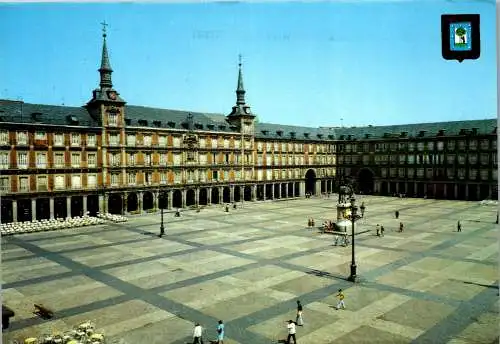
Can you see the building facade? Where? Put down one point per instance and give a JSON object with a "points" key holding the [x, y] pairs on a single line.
{"points": [[107, 156]]}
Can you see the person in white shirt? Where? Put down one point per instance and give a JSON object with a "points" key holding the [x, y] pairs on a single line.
{"points": [[291, 331], [197, 334]]}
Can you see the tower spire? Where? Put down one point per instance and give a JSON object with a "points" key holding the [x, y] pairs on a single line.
{"points": [[240, 90], [105, 70]]}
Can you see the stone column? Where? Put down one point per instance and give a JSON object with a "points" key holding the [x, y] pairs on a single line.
{"points": [[272, 192], [286, 190], [478, 192], [279, 191], [389, 188], [103, 202], [293, 189], [140, 200], [68, 206], [242, 194], [221, 195], [125, 203], [318, 187], [170, 199], [156, 197], [406, 188], [231, 194], [445, 192], [33, 209], [434, 189], [466, 192], [84, 205], [302, 188], [490, 193], [197, 196], [455, 190], [14, 211], [51, 207], [397, 187], [184, 193], [265, 193], [209, 195], [254, 192]]}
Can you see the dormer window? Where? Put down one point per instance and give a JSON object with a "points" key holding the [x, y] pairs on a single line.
{"points": [[462, 132], [279, 132], [367, 136], [349, 137], [171, 124], [185, 125], [306, 135], [387, 135], [342, 137], [233, 127], [404, 134], [143, 122], [292, 134], [222, 127], [198, 126], [210, 126], [128, 121], [36, 116], [421, 133], [320, 136], [495, 130], [474, 131], [157, 124], [441, 132], [265, 132], [331, 137], [72, 119]]}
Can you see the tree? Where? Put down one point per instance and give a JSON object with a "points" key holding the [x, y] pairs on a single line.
{"points": [[460, 32]]}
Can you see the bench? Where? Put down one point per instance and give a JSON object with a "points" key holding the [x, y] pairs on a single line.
{"points": [[43, 311]]}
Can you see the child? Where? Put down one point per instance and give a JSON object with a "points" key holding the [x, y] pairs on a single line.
{"points": [[291, 331], [341, 303]]}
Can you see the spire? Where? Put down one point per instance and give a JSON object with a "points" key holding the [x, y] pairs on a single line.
{"points": [[240, 90], [105, 69]]}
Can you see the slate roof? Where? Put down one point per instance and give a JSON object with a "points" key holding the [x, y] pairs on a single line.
{"points": [[20, 112]]}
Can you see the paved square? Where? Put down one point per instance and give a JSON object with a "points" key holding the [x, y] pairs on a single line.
{"points": [[429, 284]]}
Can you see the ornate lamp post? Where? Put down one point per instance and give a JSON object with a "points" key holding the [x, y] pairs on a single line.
{"points": [[353, 217], [162, 206]]}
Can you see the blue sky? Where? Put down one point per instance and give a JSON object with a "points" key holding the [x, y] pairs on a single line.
{"points": [[309, 64]]}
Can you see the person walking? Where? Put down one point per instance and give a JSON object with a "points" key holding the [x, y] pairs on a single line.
{"points": [[396, 213], [197, 332], [340, 296], [401, 227], [291, 331], [382, 229], [299, 320], [459, 226], [220, 332]]}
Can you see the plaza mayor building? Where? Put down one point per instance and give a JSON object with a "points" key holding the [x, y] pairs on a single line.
{"points": [[107, 156]]}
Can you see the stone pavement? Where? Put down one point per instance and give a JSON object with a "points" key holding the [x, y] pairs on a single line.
{"points": [[248, 267]]}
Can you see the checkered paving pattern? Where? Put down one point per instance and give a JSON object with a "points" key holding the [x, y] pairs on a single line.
{"points": [[429, 284]]}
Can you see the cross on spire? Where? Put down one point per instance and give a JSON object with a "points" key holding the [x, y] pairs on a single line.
{"points": [[239, 59], [104, 24]]}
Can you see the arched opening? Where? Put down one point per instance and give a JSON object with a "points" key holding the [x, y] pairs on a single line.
{"points": [[190, 198], [461, 192], [261, 190], [226, 195], [215, 195], [420, 190], [115, 203], [410, 191], [7, 215], [283, 190], [203, 196], [430, 191], [310, 182], [323, 186], [237, 193], [329, 186], [484, 192], [60, 208], [42, 209], [402, 187], [439, 191], [24, 210], [366, 181], [247, 193], [383, 189], [269, 191], [473, 192], [76, 206], [290, 189], [177, 199], [392, 187], [132, 202], [92, 205], [297, 189], [276, 191], [163, 200], [147, 200]]}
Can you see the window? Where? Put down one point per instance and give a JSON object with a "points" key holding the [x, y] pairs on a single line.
{"points": [[177, 177], [58, 139], [4, 160], [440, 145], [147, 159], [420, 172], [148, 178], [147, 140], [420, 146], [384, 172], [115, 179], [411, 173], [114, 139], [215, 175], [450, 159], [203, 159], [473, 144], [163, 178], [91, 181], [4, 184], [131, 177], [401, 172], [60, 182], [461, 159], [22, 138], [461, 144], [226, 143], [461, 173], [162, 141], [429, 173], [177, 159], [450, 173], [112, 119], [91, 140], [75, 140], [114, 159], [485, 158], [40, 135], [484, 174], [4, 137], [473, 174], [202, 176], [450, 145], [411, 159], [24, 184], [22, 159], [237, 144], [430, 145], [59, 160], [190, 176], [41, 183], [411, 146], [259, 146], [131, 140], [177, 141], [41, 160], [131, 159], [393, 172], [226, 175], [91, 159], [473, 159], [494, 174], [75, 159], [163, 159], [485, 144], [76, 182]]}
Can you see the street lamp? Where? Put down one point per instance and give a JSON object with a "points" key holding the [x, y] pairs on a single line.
{"points": [[162, 206], [353, 217]]}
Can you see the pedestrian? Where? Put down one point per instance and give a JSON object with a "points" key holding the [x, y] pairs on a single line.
{"points": [[291, 331], [378, 229], [299, 320], [396, 213], [336, 241], [382, 229], [197, 339], [459, 226], [220, 332], [312, 222], [340, 296], [401, 227]]}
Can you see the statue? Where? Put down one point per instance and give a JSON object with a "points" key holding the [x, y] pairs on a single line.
{"points": [[345, 194]]}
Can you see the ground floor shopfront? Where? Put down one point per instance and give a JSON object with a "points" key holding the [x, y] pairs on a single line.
{"points": [[137, 200]]}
